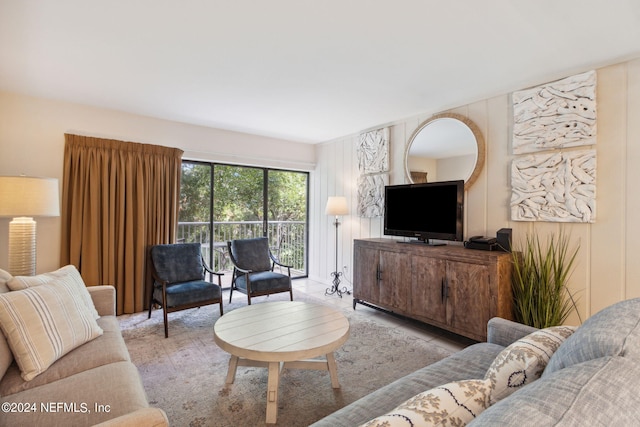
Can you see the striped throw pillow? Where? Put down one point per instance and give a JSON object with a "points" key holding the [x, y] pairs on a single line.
{"points": [[43, 323]]}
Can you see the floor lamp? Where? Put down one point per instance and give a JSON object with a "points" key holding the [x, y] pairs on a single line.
{"points": [[23, 198], [336, 206]]}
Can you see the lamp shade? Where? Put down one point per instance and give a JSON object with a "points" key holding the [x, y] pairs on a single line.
{"points": [[28, 196], [337, 205]]}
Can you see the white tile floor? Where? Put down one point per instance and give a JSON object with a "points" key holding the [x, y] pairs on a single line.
{"points": [[447, 340]]}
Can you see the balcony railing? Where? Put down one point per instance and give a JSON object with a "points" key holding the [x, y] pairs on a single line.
{"points": [[287, 240]]}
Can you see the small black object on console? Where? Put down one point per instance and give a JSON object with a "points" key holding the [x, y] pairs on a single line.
{"points": [[503, 237]]}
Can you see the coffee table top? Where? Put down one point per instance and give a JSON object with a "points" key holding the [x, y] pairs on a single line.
{"points": [[281, 331]]}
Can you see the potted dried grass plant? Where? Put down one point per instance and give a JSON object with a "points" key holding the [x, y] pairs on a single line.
{"points": [[540, 276]]}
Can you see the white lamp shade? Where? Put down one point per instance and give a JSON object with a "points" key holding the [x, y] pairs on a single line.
{"points": [[337, 205], [28, 196]]}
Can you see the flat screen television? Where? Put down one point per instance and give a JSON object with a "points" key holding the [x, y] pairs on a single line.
{"points": [[427, 211]]}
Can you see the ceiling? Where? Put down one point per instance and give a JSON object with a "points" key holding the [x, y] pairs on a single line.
{"points": [[302, 70]]}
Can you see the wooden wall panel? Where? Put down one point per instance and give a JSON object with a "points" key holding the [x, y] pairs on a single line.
{"points": [[631, 190], [497, 165], [608, 236]]}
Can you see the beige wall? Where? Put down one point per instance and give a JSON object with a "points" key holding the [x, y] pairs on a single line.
{"points": [[607, 268], [32, 143]]}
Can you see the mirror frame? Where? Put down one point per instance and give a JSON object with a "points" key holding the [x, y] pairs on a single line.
{"points": [[476, 133]]}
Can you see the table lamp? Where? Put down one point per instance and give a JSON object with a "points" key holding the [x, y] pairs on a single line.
{"points": [[336, 205], [22, 198]]}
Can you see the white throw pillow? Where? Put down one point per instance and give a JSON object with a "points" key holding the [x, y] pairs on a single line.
{"points": [[453, 404], [68, 275], [524, 361], [43, 323]]}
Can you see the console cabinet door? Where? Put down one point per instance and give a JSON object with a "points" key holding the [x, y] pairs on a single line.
{"points": [[395, 279], [428, 297], [382, 277], [365, 274], [468, 303]]}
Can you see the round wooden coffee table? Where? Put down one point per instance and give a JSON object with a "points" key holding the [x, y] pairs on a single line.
{"points": [[279, 335]]}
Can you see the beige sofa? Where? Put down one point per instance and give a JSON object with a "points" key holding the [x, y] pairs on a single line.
{"points": [[95, 383]]}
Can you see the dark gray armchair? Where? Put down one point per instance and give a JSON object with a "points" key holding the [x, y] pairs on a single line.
{"points": [[178, 272], [253, 265]]}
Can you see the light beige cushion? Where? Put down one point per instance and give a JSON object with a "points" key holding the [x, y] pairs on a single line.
{"points": [[524, 361], [453, 404], [116, 386], [105, 349], [43, 323], [5, 276], [69, 275], [6, 357]]}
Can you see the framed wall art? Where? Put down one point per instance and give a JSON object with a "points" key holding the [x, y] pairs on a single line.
{"points": [[555, 186], [373, 151], [560, 114], [371, 195]]}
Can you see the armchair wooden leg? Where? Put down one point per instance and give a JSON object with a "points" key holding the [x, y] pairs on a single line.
{"points": [[150, 304], [164, 310], [232, 286], [166, 323]]}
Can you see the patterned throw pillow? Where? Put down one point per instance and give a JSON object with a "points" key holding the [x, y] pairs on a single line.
{"points": [[43, 323], [68, 275], [524, 361], [456, 403]]}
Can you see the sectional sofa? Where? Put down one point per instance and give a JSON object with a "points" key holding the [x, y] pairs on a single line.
{"points": [[521, 377], [74, 369]]}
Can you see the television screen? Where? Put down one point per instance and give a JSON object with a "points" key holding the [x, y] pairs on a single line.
{"points": [[425, 211]]}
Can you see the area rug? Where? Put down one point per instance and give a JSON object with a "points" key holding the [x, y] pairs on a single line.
{"points": [[185, 373]]}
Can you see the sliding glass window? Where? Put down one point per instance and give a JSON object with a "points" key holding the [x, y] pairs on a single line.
{"points": [[221, 202]]}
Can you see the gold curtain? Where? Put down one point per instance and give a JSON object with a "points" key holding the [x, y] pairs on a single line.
{"points": [[117, 199]]}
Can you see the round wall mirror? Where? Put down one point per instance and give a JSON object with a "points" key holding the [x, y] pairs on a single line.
{"points": [[445, 147]]}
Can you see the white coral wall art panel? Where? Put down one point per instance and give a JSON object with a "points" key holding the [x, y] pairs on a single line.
{"points": [[373, 151], [371, 195], [555, 187], [555, 115]]}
